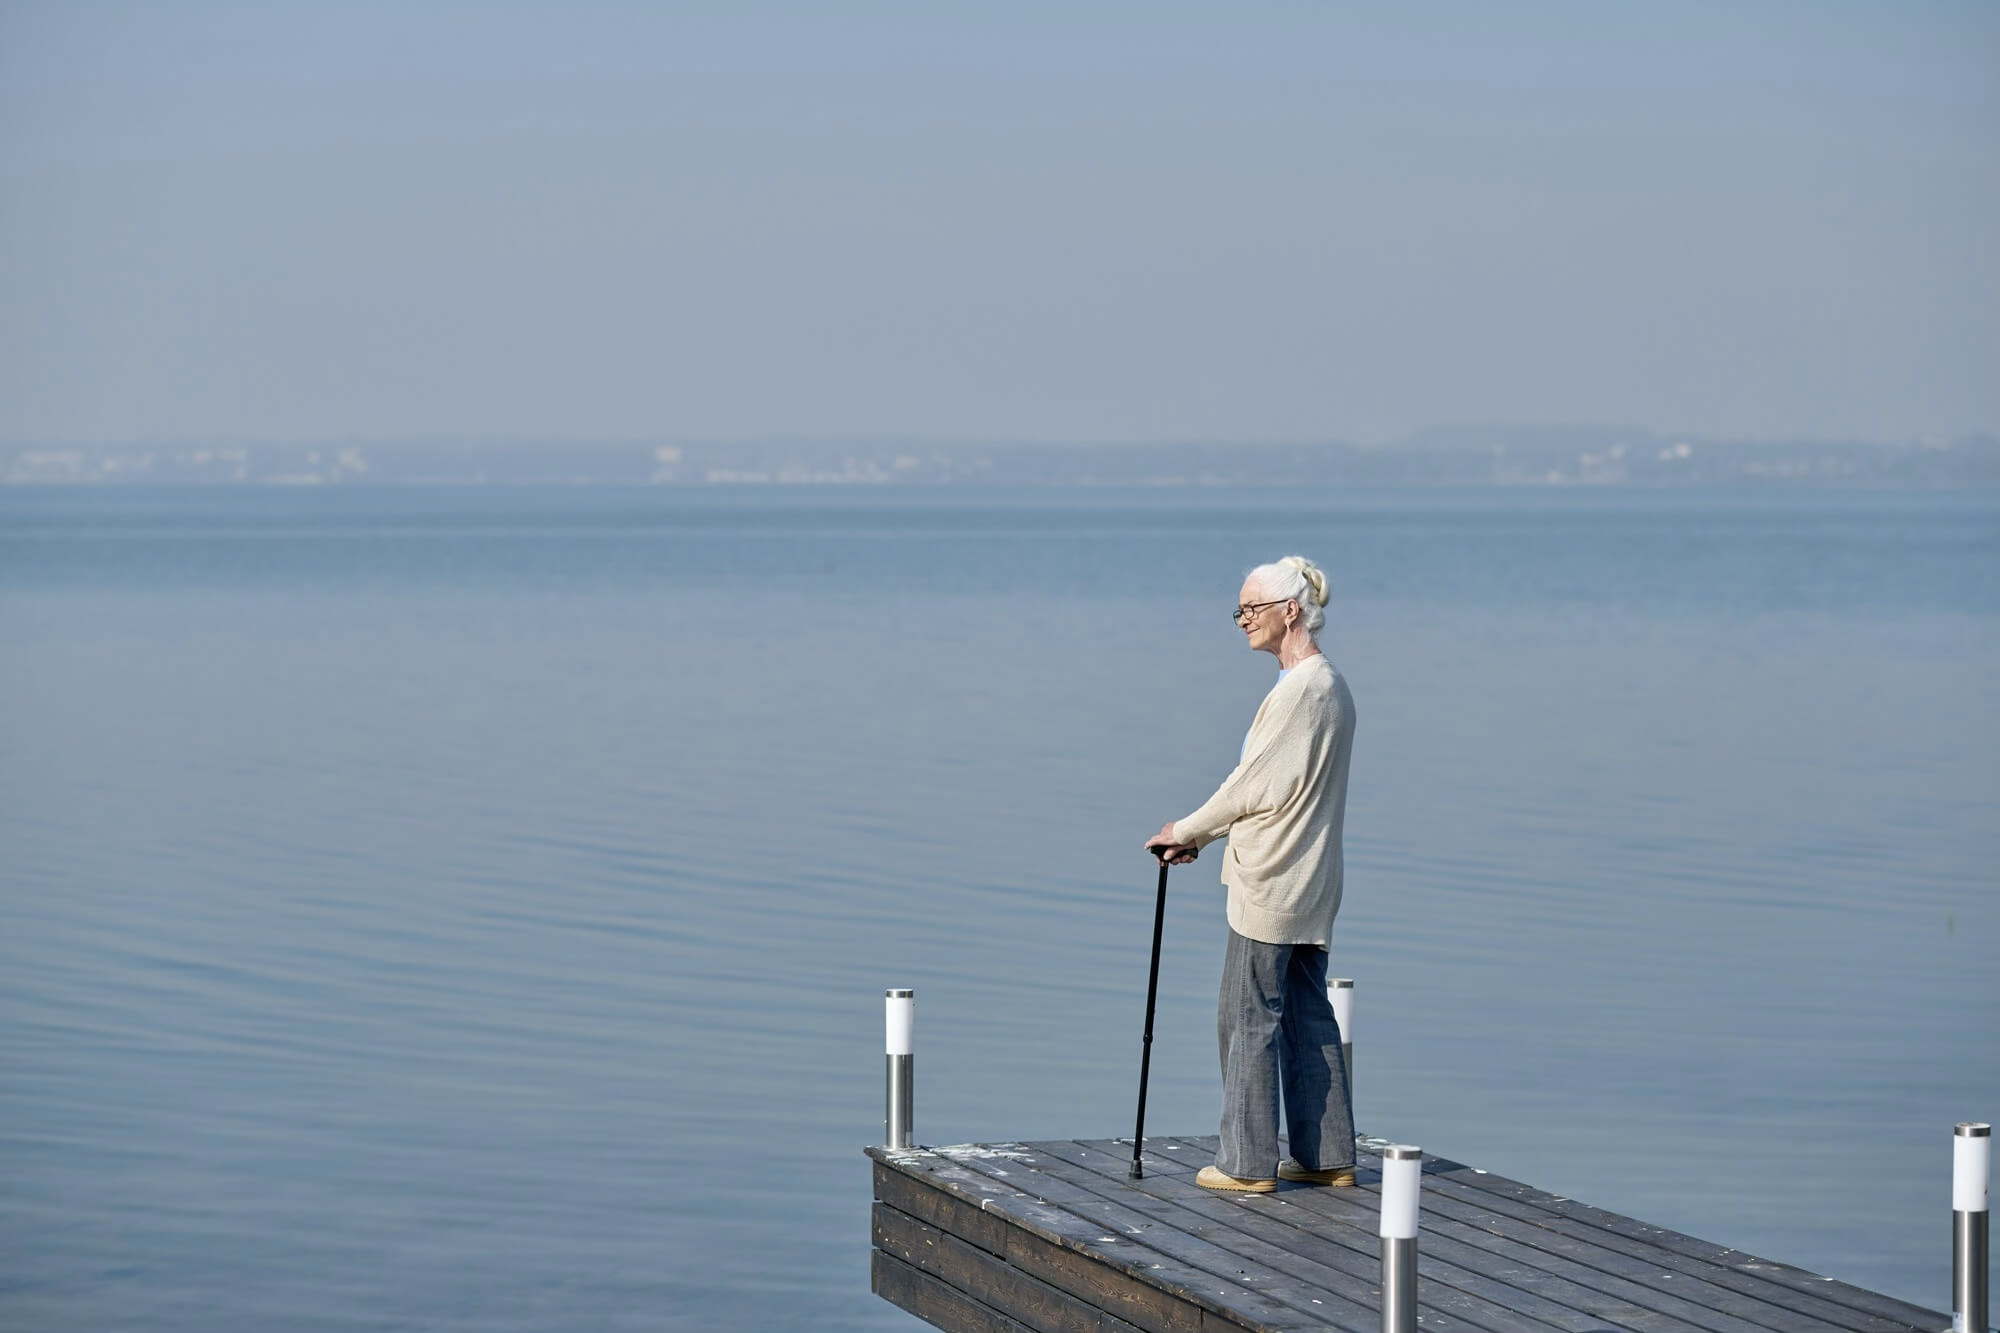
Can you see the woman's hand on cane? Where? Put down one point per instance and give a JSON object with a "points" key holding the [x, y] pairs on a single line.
{"points": [[1163, 846]]}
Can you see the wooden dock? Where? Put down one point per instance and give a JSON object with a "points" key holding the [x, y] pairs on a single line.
{"points": [[1052, 1237]]}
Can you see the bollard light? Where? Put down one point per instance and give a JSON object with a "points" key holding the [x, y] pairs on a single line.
{"points": [[1971, 1166], [1340, 994], [900, 1096], [1402, 1178]]}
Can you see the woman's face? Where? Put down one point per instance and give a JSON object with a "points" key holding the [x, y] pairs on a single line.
{"points": [[1264, 627]]}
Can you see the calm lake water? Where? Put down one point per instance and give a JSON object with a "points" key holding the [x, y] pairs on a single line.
{"points": [[470, 909]]}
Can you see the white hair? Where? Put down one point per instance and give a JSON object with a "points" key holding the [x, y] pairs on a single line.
{"points": [[1295, 579]]}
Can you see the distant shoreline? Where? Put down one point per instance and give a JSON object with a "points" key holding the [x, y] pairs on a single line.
{"points": [[1462, 457]]}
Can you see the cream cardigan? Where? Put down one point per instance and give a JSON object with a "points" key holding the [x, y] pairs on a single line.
{"points": [[1282, 810]]}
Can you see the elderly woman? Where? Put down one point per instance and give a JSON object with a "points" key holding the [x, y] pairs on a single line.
{"points": [[1281, 809]]}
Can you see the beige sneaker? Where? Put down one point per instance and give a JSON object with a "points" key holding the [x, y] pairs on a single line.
{"points": [[1214, 1178], [1333, 1175]]}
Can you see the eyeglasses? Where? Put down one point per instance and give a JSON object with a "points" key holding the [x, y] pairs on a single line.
{"points": [[1243, 613]]}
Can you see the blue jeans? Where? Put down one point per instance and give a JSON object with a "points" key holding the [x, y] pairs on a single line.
{"points": [[1276, 1031]]}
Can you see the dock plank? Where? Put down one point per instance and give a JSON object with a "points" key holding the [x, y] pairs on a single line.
{"points": [[1346, 1289], [1163, 1156], [945, 1211], [1704, 1300], [1823, 1291], [1052, 1246], [1226, 1272], [1549, 1299], [1092, 1249], [1739, 1289], [1350, 1243], [1053, 1237], [988, 1279], [936, 1303], [1588, 1278], [1812, 1300], [1810, 1308]]}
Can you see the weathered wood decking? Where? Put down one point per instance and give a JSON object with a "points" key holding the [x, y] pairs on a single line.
{"points": [[1001, 1238]]}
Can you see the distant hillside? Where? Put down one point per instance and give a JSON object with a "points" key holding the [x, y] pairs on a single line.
{"points": [[1454, 456]]}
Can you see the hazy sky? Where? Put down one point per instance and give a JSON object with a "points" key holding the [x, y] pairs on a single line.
{"points": [[1065, 222]]}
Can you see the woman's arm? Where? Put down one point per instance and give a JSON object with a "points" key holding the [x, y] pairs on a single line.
{"points": [[1273, 760], [1231, 801]]}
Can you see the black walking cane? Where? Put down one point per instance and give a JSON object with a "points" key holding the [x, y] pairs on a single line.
{"points": [[1138, 1172]]}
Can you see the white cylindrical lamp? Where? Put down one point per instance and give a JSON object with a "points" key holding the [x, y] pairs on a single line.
{"points": [[1971, 1168], [1340, 994], [1402, 1181], [900, 1088]]}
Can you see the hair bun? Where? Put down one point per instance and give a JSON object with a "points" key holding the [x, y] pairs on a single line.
{"points": [[1314, 576]]}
